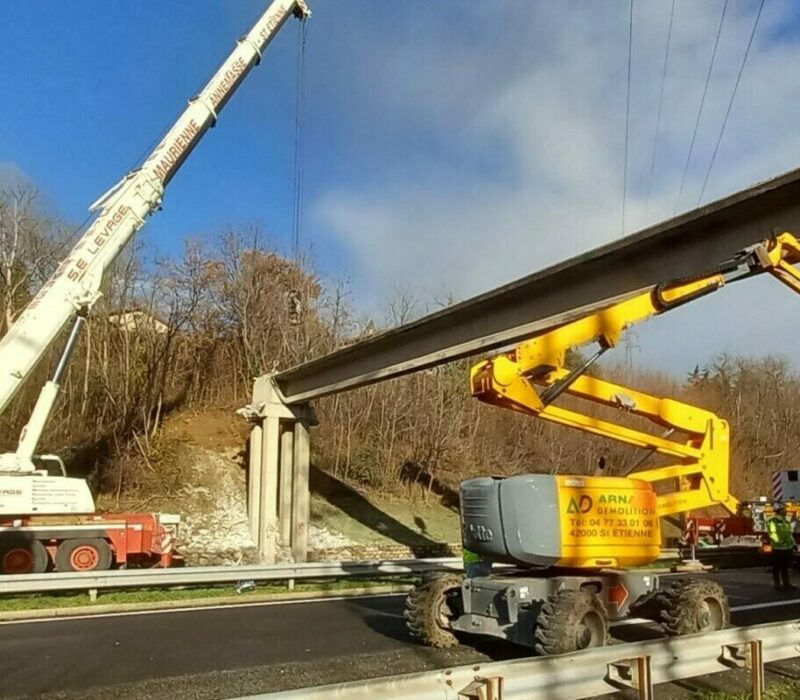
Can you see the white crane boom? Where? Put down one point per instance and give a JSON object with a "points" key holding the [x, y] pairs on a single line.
{"points": [[122, 211]]}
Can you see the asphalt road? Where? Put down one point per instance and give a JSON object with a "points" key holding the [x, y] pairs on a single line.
{"points": [[240, 650]]}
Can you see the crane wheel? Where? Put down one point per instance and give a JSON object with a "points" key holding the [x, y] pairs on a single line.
{"points": [[430, 606], [23, 557], [571, 621], [694, 605], [83, 555]]}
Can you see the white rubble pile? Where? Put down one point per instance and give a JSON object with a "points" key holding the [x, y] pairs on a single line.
{"points": [[213, 507], [214, 526], [323, 538]]}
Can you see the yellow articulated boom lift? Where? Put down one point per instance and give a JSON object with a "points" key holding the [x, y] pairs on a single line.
{"points": [[573, 540]]}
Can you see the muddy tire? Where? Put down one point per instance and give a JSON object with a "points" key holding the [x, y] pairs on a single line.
{"points": [[652, 607], [571, 621], [693, 606], [23, 557], [84, 555], [430, 606]]}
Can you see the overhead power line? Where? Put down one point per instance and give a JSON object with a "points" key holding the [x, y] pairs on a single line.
{"points": [[733, 97], [627, 117], [702, 103], [660, 105]]}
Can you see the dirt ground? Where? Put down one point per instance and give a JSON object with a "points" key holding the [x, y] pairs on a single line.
{"points": [[213, 429]]}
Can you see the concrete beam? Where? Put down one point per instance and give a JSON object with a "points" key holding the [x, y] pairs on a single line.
{"points": [[687, 244]]}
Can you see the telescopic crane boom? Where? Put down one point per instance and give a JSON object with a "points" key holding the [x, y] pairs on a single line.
{"points": [[74, 287]]}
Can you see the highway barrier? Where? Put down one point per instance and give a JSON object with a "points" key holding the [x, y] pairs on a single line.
{"points": [[212, 575], [585, 674]]}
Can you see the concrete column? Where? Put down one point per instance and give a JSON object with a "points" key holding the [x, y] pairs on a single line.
{"points": [[278, 496], [270, 452], [301, 497], [254, 481], [286, 478]]}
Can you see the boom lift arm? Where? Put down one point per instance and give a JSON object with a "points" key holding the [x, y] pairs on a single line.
{"points": [[573, 539], [74, 287], [534, 374]]}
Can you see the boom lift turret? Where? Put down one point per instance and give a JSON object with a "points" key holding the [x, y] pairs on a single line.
{"points": [[572, 537], [72, 290]]}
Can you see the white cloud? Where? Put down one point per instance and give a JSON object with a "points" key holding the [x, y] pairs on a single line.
{"points": [[510, 131]]}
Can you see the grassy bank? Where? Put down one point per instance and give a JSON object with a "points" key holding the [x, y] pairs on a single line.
{"points": [[783, 690]]}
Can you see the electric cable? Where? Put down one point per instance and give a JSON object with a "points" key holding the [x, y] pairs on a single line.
{"points": [[730, 104], [702, 103], [660, 105], [627, 117]]}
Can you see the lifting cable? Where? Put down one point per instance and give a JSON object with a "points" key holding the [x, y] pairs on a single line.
{"points": [[702, 103], [297, 204], [730, 104], [660, 105], [627, 117]]}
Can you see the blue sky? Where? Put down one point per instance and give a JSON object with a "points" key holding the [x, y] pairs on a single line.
{"points": [[97, 82], [451, 146]]}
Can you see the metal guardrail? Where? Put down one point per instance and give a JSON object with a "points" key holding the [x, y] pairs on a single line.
{"points": [[209, 575], [586, 674]]}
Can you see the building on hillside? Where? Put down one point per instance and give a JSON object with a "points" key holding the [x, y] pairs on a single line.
{"points": [[136, 320]]}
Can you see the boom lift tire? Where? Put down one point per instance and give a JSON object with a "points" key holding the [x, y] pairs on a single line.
{"points": [[692, 606], [429, 608], [23, 557], [571, 621], [652, 607], [84, 555]]}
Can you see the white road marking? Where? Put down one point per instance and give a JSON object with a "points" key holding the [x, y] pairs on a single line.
{"points": [[771, 604], [631, 621], [735, 608], [196, 608], [267, 603]]}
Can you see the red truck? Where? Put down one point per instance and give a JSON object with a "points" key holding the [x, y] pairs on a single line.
{"points": [[35, 544]]}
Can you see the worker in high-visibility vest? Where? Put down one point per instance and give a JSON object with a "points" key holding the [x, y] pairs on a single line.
{"points": [[781, 536]]}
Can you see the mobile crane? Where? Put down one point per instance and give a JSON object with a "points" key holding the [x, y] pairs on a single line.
{"points": [[573, 541], [37, 485]]}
